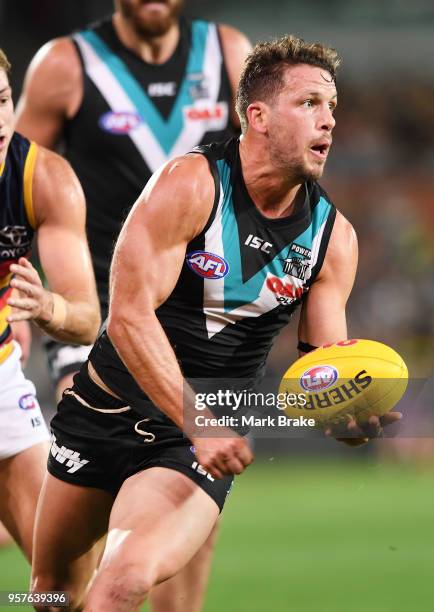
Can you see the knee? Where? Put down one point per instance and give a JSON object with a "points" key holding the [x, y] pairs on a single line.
{"points": [[126, 584], [74, 592]]}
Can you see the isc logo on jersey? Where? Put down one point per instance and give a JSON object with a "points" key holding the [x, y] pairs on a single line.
{"points": [[207, 265], [319, 378], [119, 123]]}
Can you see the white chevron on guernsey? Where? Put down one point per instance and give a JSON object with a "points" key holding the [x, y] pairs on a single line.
{"points": [[214, 289], [216, 316], [118, 100], [142, 136]]}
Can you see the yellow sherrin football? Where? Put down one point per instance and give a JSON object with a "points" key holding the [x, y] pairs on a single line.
{"points": [[350, 378]]}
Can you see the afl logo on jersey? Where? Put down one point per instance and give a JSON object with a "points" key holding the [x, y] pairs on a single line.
{"points": [[319, 378], [207, 265], [27, 402], [119, 123]]}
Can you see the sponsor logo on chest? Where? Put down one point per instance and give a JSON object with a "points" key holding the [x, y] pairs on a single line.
{"points": [[284, 291], [207, 265], [119, 123], [212, 117], [14, 241]]}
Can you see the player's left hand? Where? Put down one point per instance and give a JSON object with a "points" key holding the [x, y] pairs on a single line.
{"points": [[33, 301], [355, 434]]}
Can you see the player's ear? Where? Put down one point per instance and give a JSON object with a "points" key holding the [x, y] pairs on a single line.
{"points": [[257, 116]]}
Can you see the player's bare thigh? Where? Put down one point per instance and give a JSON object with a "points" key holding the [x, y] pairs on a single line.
{"points": [[21, 479], [71, 522], [159, 511]]}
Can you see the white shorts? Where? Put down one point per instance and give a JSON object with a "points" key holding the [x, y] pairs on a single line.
{"points": [[21, 422]]}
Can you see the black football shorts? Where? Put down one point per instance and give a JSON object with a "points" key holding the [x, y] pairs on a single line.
{"points": [[99, 442]]}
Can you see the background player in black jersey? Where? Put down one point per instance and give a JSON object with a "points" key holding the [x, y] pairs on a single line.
{"points": [[39, 194], [65, 99], [124, 96], [129, 397]]}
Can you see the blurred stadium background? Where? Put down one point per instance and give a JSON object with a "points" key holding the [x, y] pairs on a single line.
{"points": [[314, 526]]}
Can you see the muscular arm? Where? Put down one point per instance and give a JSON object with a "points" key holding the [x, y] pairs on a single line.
{"points": [[322, 319], [236, 47], [59, 211], [146, 265], [148, 258], [52, 92]]}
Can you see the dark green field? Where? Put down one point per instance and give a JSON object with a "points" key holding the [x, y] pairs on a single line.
{"points": [[348, 537]]}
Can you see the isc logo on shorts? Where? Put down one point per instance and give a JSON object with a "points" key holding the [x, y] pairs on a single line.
{"points": [[207, 265], [201, 470], [119, 123]]}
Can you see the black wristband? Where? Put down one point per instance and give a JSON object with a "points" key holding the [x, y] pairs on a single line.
{"points": [[305, 347]]}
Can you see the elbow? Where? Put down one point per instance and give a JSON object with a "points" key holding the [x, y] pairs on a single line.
{"points": [[125, 324], [116, 326]]}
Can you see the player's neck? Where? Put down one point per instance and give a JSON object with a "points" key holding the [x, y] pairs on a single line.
{"points": [[273, 194], [155, 50]]}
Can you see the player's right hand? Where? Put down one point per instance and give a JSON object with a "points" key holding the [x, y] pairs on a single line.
{"points": [[32, 301], [354, 433], [221, 456]]}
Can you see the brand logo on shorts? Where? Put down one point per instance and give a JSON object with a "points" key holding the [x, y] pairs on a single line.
{"points": [[28, 402], [119, 123], [69, 457], [201, 470], [319, 378], [207, 265], [193, 449]]}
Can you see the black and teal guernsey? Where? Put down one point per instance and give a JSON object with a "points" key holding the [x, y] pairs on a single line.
{"points": [[17, 222], [241, 281], [135, 116]]}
